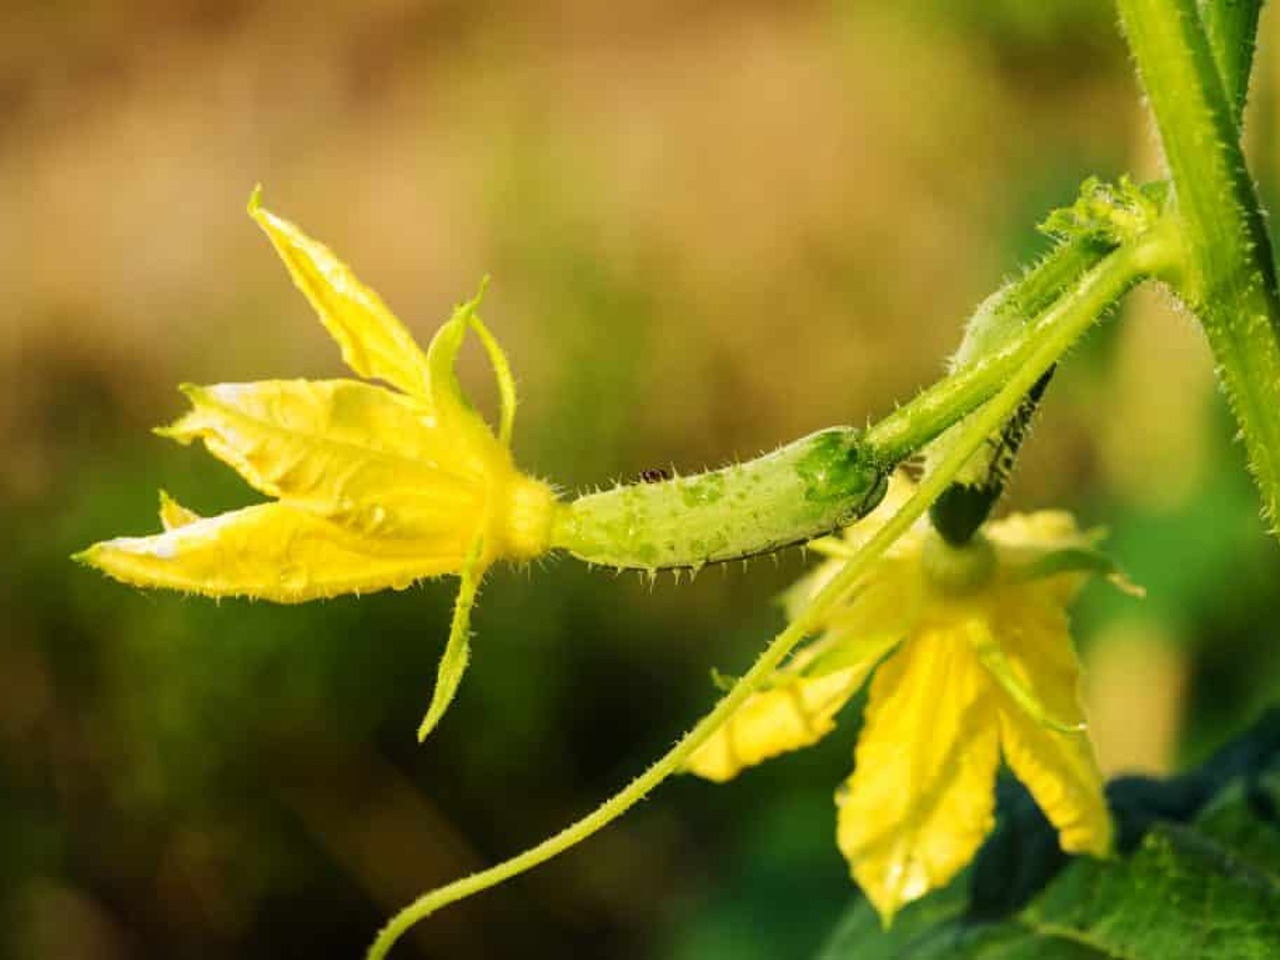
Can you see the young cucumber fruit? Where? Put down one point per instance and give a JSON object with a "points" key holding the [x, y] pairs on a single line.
{"points": [[804, 490]]}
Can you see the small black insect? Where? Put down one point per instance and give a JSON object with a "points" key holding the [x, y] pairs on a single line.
{"points": [[655, 475]]}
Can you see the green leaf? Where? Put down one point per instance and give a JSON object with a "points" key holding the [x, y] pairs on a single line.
{"points": [[1200, 877], [926, 928], [1243, 818], [1182, 894]]}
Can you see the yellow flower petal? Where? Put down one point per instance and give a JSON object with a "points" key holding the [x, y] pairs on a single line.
{"points": [[353, 452], [1012, 677], [1033, 630], [889, 599], [1058, 768], [1049, 548], [1042, 530], [797, 597], [921, 797], [273, 552], [796, 713], [890, 591], [1021, 539], [173, 514], [1062, 774], [374, 343], [812, 688]]}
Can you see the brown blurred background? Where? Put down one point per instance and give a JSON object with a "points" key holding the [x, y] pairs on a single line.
{"points": [[712, 226]]}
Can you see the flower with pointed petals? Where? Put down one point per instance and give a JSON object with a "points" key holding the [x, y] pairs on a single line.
{"points": [[973, 661], [373, 486]]}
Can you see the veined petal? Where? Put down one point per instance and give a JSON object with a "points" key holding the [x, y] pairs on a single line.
{"points": [[921, 797], [1033, 630], [374, 342], [890, 591], [1058, 768], [273, 552], [369, 457], [1062, 774], [1011, 677], [796, 713], [878, 611]]}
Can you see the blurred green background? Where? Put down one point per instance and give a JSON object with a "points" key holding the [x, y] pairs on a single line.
{"points": [[712, 226]]}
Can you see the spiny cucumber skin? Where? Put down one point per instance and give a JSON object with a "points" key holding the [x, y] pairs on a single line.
{"points": [[806, 489]]}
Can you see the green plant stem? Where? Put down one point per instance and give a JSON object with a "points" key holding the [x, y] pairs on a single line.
{"points": [[1232, 29], [1009, 311], [961, 509], [1107, 281], [913, 425], [1228, 279]]}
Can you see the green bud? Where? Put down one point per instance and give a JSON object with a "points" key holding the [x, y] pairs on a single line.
{"points": [[1111, 213]]}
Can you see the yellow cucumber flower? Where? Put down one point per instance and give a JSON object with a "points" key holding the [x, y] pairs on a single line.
{"points": [[973, 661], [373, 486]]}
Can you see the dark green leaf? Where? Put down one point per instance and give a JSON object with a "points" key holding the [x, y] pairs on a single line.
{"points": [[1198, 876], [1181, 895]]}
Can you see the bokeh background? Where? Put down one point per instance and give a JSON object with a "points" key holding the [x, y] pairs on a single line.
{"points": [[712, 226]]}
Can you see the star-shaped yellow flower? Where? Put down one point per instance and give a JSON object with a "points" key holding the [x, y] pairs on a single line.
{"points": [[373, 486], [973, 661]]}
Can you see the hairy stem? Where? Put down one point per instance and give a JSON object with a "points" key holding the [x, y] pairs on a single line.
{"points": [[964, 505], [913, 425], [1229, 280], [1232, 29]]}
